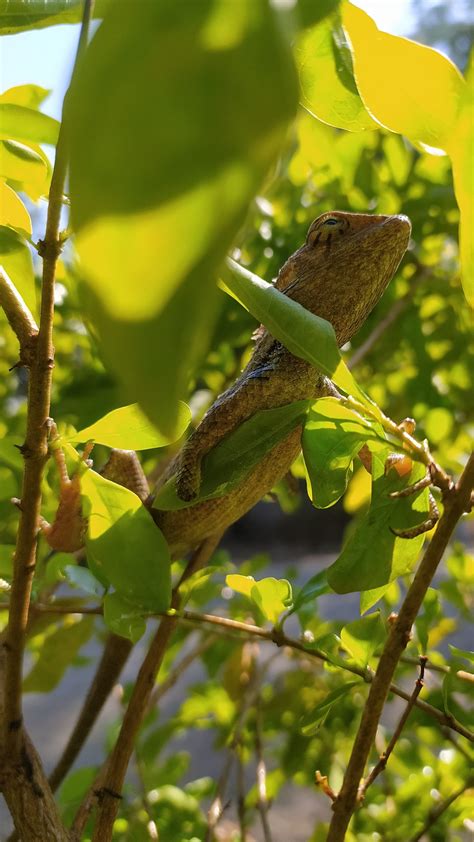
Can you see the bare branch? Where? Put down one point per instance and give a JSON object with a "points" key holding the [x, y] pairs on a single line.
{"points": [[456, 503], [380, 766], [35, 448], [263, 804], [440, 809], [232, 627]]}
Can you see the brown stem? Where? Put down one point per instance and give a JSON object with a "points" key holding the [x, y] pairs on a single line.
{"points": [[440, 809], [35, 447], [456, 503], [383, 760]]}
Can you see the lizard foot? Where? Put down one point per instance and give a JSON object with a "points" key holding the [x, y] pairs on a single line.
{"points": [[423, 527]]}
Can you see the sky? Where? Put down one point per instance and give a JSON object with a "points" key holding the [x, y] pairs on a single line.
{"points": [[45, 56]]}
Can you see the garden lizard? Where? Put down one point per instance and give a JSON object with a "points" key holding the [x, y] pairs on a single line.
{"points": [[339, 274]]}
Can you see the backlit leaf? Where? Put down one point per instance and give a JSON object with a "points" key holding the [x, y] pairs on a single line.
{"points": [[123, 617], [405, 86], [12, 209], [272, 596], [15, 257], [333, 435], [124, 547], [128, 428], [362, 638], [161, 188], [328, 89], [27, 124], [373, 555]]}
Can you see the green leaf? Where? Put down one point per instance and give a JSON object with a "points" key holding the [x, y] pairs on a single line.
{"points": [[460, 148], [124, 546], [362, 637], [373, 555], [9, 452], [370, 598], [15, 257], [304, 334], [428, 618], [312, 721], [314, 588], [27, 125], [272, 596], [29, 96], [6, 559], [81, 577], [160, 190], [333, 434], [57, 653], [468, 654], [18, 16], [27, 168], [127, 428], [227, 464], [421, 90], [328, 89], [13, 211], [123, 617]]}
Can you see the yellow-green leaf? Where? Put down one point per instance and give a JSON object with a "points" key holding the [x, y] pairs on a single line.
{"points": [[12, 209], [128, 428], [405, 86], [124, 546], [362, 637], [328, 89], [461, 150], [15, 257], [272, 596], [26, 166], [26, 124]]}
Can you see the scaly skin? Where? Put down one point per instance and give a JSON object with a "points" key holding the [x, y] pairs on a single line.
{"points": [[339, 274]]}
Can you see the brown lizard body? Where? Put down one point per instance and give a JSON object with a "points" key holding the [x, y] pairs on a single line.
{"points": [[339, 274]]}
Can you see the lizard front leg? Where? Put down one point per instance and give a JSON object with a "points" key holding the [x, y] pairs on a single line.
{"points": [[235, 406]]}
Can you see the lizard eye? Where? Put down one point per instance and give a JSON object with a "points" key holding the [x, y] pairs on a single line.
{"points": [[331, 221]]}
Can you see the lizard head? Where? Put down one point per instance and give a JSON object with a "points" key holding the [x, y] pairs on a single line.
{"points": [[345, 265]]}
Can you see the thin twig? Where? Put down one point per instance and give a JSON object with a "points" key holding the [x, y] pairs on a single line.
{"points": [[263, 804], [440, 809], [216, 810], [240, 776], [456, 503], [230, 627], [383, 760]]}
